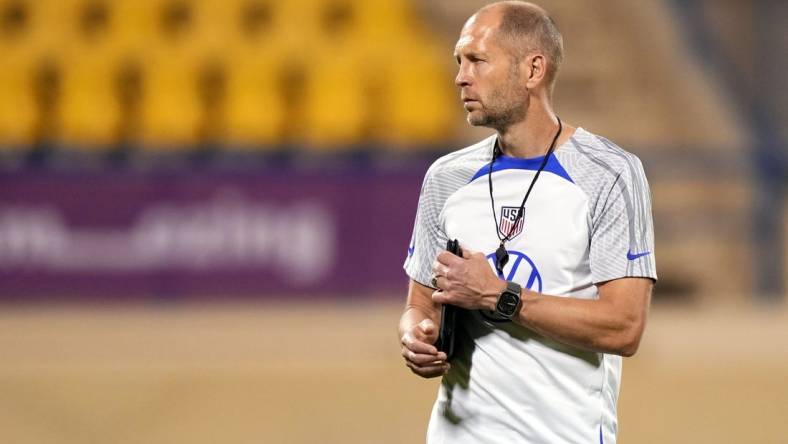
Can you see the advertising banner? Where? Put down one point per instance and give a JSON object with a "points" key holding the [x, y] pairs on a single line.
{"points": [[130, 235]]}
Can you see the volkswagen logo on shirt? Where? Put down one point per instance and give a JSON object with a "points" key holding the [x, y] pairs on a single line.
{"points": [[520, 269]]}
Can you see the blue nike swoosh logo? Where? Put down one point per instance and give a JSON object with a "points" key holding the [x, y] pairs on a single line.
{"points": [[632, 257], [411, 249]]}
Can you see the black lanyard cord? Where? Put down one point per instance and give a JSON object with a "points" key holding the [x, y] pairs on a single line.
{"points": [[501, 256]]}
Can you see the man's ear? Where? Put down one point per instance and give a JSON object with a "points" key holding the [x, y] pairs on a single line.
{"points": [[537, 69]]}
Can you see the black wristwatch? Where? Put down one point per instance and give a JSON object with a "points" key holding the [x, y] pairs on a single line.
{"points": [[509, 301]]}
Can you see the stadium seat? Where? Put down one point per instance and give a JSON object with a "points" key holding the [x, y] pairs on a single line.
{"points": [[136, 24], [335, 103], [18, 109], [388, 21], [298, 25], [255, 109], [171, 111], [419, 98], [308, 70], [49, 27], [413, 89], [89, 111], [243, 37]]}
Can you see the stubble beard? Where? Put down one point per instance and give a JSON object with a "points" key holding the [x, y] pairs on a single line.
{"points": [[505, 105], [498, 117]]}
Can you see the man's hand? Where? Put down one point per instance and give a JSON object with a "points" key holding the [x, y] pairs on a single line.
{"points": [[420, 355], [468, 281]]}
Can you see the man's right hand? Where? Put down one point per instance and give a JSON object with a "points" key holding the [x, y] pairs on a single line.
{"points": [[421, 356]]}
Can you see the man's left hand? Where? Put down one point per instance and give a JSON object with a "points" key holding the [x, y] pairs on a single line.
{"points": [[468, 281]]}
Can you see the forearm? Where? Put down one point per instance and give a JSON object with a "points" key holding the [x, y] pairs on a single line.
{"points": [[595, 325], [612, 323]]}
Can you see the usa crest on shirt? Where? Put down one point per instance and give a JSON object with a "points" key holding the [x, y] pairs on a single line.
{"points": [[508, 219]]}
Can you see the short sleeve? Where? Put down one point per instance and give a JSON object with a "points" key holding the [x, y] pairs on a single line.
{"points": [[428, 237], [622, 232]]}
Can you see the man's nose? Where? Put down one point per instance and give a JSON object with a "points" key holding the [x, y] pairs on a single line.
{"points": [[462, 79]]}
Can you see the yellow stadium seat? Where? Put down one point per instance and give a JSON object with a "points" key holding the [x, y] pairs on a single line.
{"points": [[18, 108], [419, 99], [387, 11], [57, 25], [387, 23], [89, 111], [255, 110], [241, 25], [140, 23], [171, 110], [257, 53], [48, 25], [414, 96], [335, 107], [298, 26], [215, 22]]}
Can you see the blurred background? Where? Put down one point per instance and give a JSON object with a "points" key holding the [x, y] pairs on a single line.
{"points": [[205, 206]]}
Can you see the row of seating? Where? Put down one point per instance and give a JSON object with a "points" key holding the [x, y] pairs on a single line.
{"points": [[140, 23], [169, 73]]}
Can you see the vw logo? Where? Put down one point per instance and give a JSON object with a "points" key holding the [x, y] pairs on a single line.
{"points": [[520, 269]]}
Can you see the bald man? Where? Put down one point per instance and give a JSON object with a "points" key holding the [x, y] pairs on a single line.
{"points": [[557, 263]]}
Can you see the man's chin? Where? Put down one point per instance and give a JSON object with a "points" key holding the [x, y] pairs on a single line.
{"points": [[486, 120], [476, 118]]}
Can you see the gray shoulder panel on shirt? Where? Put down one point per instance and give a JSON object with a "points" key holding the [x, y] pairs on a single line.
{"points": [[597, 165], [453, 171]]}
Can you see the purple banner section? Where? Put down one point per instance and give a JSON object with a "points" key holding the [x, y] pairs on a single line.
{"points": [[205, 234]]}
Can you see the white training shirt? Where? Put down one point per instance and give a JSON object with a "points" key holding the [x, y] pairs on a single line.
{"points": [[587, 220]]}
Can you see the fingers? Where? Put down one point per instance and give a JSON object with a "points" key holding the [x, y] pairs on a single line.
{"points": [[439, 269], [446, 263], [418, 345], [440, 297], [447, 258], [440, 276], [430, 371], [474, 255], [441, 283], [423, 359]]}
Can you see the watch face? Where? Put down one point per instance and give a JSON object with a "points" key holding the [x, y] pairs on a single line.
{"points": [[507, 303]]}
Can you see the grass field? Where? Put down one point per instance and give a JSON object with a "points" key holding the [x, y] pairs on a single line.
{"points": [[331, 373]]}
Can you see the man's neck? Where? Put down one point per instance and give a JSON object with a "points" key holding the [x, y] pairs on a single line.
{"points": [[531, 137]]}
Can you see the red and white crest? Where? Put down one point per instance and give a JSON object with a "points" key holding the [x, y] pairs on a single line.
{"points": [[507, 226]]}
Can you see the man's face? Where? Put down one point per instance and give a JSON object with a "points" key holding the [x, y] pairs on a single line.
{"points": [[491, 86]]}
